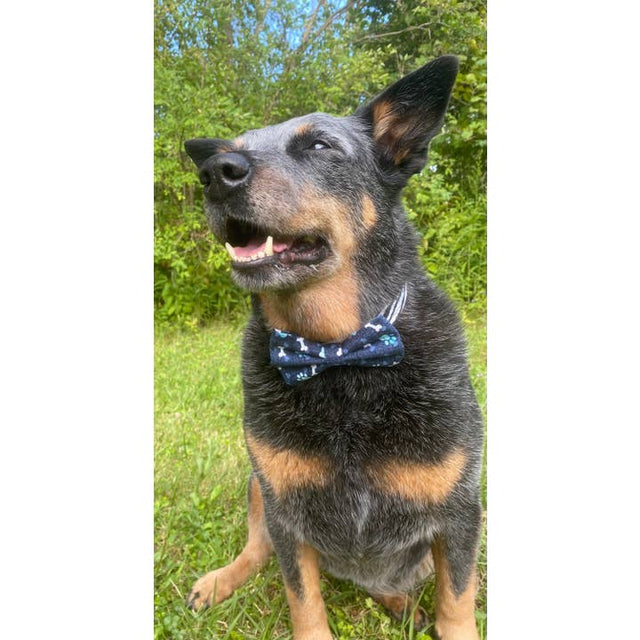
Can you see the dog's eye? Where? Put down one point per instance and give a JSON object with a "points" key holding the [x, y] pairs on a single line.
{"points": [[318, 145]]}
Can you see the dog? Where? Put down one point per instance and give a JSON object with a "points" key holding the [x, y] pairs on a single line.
{"points": [[363, 431]]}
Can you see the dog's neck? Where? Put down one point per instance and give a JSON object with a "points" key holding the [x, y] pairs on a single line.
{"points": [[325, 311], [328, 310]]}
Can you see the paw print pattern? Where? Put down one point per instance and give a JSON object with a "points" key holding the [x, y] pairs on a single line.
{"points": [[389, 340]]}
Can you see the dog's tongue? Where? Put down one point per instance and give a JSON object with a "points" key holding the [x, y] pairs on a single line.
{"points": [[255, 246], [250, 249]]}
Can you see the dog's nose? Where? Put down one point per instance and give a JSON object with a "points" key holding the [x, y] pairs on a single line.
{"points": [[225, 172]]}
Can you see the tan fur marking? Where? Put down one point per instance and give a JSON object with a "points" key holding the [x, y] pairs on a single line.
{"points": [[403, 129], [400, 155], [238, 143], [326, 309], [303, 128], [326, 214], [389, 131], [455, 617], [398, 139], [218, 585], [383, 119], [256, 506], [286, 470], [308, 615], [369, 213], [430, 483]]}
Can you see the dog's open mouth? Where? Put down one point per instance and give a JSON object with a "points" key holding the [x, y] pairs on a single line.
{"points": [[250, 247]]}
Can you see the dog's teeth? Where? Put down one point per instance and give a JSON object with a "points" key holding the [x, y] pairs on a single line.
{"points": [[268, 247], [256, 256]]}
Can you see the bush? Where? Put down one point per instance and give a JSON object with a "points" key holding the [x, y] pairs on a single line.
{"points": [[453, 231], [192, 281]]}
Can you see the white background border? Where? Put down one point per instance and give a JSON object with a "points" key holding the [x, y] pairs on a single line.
{"points": [[76, 459], [563, 322]]}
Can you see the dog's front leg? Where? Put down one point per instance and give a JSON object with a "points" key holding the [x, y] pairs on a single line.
{"points": [[454, 555], [218, 585], [299, 564]]}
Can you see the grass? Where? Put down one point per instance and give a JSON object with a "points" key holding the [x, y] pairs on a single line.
{"points": [[201, 471]]}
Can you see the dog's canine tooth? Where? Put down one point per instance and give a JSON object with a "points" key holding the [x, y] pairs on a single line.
{"points": [[230, 251], [268, 247]]}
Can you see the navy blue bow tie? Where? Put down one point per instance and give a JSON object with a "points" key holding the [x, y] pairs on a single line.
{"points": [[377, 344]]}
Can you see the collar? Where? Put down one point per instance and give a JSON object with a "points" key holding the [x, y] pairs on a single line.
{"points": [[376, 344]]}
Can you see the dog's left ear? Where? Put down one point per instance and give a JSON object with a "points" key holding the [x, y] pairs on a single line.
{"points": [[406, 115]]}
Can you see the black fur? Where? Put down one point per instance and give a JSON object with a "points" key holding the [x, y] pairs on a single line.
{"points": [[418, 411]]}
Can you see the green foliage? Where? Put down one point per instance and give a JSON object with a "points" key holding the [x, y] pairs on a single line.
{"points": [[225, 66], [192, 279], [453, 230]]}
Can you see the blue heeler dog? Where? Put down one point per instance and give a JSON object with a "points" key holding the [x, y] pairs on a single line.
{"points": [[363, 431]]}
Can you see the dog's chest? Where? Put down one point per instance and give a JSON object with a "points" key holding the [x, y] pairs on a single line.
{"points": [[318, 449], [346, 515], [333, 500]]}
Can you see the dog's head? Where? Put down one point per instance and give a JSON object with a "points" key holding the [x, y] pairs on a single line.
{"points": [[293, 202]]}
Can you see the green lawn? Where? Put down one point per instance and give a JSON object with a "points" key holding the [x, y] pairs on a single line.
{"points": [[201, 472]]}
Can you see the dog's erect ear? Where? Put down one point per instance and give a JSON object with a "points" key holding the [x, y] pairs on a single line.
{"points": [[406, 115], [199, 149]]}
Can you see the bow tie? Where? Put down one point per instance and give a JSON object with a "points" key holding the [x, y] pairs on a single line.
{"points": [[377, 344]]}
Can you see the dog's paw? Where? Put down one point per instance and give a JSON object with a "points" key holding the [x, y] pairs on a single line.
{"points": [[316, 634], [420, 619], [210, 589], [460, 631]]}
